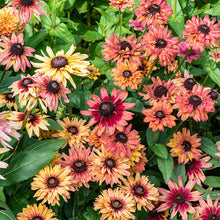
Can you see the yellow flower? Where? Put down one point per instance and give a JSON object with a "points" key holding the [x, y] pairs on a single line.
{"points": [[51, 182], [93, 72], [61, 66]]}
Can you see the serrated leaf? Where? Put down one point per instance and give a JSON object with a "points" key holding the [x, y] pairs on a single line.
{"points": [[166, 167], [25, 165], [213, 181], [160, 150], [47, 145]]}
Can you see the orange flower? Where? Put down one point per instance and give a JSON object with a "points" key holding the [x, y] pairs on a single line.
{"points": [[122, 4], [160, 116]]}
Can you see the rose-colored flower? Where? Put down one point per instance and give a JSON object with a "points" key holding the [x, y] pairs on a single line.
{"points": [[109, 114], [14, 53], [215, 54], [201, 33], [178, 198], [124, 50], [158, 44], [122, 4]]}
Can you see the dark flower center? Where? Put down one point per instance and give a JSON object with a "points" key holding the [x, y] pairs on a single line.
{"points": [[58, 62], [159, 91], [16, 49], [10, 97], [213, 217], [179, 198], [194, 100], [142, 67], [189, 165], [214, 95], [116, 204], [26, 81], [127, 74], [79, 166], [139, 190], [124, 45], [52, 182], [31, 117], [106, 109], [110, 163], [37, 218], [53, 87], [73, 130], [121, 137], [189, 83], [160, 114], [154, 8], [187, 146], [161, 43], [154, 214], [26, 2], [204, 29]]}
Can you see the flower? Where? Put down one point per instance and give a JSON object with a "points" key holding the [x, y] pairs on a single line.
{"points": [[115, 204], [159, 90], [142, 191], [95, 140], [124, 50], [9, 100], [26, 8], [158, 44], [61, 66], [74, 130], [50, 91], [201, 33], [209, 210], [52, 182], [127, 75], [3, 165], [184, 146], [218, 147], [194, 169], [35, 121], [122, 142], [196, 103], [8, 127], [178, 198], [79, 161], [183, 49], [14, 53], [36, 212], [156, 215], [108, 168], [215, 54], [9, 22], [145, 67], [137, 25], [159, 116], [93, 72], [153, 12], [122, 4], [109, 114]]}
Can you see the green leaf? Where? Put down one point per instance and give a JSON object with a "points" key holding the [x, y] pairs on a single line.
{"points": [[166, 167], [151, 136], [215, 75], [215, 11], [46, 145], [92, 36], [37, 38], [75, 99], [197, 71], [53, 124], [7, 82], [179, 170], [209, 147], [104, 14], [160, 150], [5, 212], [2, 195], [138, 106], [91, 214], [213, 181]]}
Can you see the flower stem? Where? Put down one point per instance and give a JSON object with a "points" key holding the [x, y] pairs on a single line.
{"points": [[181, 63], [205, 80], [24, 122], [17, 27], [70, 111], [32, 25], [120, 27]]}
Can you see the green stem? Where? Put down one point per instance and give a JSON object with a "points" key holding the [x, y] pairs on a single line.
{"points": [[120, 27], [148, 74], [32, 25], [17, 27], [174, 13], [156, 139], [181, 63], [70, 111], [206, 78], [25, 120], [187, 9], [171, 135]]}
